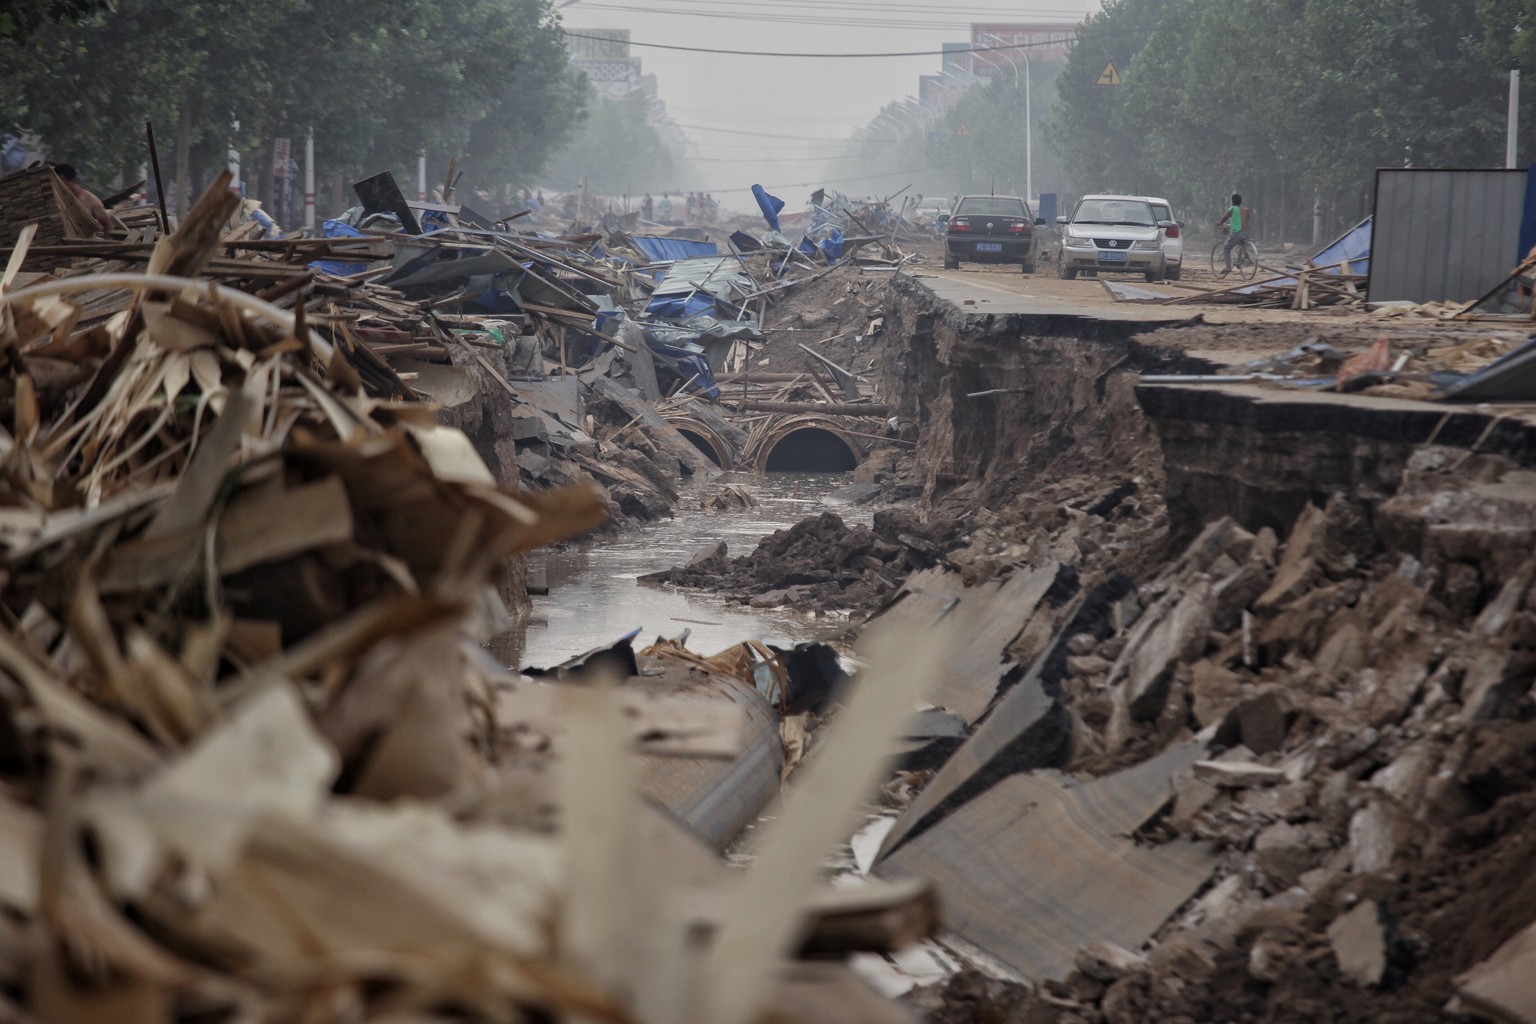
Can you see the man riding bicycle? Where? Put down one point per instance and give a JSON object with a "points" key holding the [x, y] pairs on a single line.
{"points": [[1236, 220]]}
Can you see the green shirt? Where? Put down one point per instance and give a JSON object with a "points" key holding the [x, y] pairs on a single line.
{"points": [[1236, 213]]}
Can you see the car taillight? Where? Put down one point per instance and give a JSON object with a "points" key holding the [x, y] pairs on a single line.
{"points": [[1018, 228], [960, 224], [1173, 232]]}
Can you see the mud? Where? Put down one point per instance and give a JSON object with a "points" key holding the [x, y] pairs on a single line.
{"points": [[822, 563]]}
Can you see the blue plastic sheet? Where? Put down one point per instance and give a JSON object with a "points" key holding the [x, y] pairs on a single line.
{"points": [[662, 249], [1528, 218], [830, 247], [676, 307], [770, 205], [341, 268]]}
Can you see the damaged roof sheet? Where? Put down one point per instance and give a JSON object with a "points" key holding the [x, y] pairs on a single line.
{"points": [[1041, 865], [718, 277], [996, 614], [662, 249]]}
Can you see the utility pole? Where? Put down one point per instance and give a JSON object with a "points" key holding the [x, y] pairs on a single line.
{"points": [[1513, 131], [309, 180], [234, 154]]}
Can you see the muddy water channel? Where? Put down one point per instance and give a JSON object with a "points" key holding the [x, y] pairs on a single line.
{"points": [[594, 597]]}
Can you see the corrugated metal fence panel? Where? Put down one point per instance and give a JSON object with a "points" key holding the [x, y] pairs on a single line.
{"points": [[1444, 235]]}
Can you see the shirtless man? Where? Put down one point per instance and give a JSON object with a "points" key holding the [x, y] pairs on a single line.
{"points": [[92, 203]]}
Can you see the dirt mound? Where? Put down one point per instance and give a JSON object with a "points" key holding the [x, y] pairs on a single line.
{"points": [[822, 562]]}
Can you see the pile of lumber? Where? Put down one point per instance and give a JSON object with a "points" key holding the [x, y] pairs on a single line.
{"points": [[1307, 288]]}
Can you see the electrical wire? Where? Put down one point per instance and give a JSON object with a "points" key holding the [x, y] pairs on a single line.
{"points": [[827, 56]]}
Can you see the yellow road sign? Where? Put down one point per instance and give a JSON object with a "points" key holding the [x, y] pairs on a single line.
{"points": [[1109, 76]]}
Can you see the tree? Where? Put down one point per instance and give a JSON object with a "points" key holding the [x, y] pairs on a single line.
{"points": [[20, 19], [486, 80]]}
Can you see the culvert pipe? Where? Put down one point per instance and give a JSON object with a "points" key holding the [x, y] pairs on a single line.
{"points": [[809, 444], [715, 446]]}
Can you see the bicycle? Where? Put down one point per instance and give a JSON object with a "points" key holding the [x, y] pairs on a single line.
{"points": [[1245, 259]]}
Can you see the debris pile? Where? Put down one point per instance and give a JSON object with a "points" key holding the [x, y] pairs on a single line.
{"points": [[256, 765], [1312, 764]]}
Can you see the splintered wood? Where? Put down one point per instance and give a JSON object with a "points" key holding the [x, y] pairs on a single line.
{"points": [[255, 765]]}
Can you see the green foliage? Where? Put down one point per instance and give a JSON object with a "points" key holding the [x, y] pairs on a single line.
{"points": [[1283, 100], [19, 19], [487, 81]]}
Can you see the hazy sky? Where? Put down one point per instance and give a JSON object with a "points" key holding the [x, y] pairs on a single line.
{"points": [[774, 120]]}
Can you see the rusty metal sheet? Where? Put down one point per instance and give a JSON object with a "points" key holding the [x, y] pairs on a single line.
{"points": [[1041, 865]]}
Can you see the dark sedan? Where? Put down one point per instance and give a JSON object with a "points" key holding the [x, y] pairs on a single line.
{"points": [[990, 229]]}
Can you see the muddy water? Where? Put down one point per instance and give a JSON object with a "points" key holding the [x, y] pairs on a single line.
{"points": [[594, 597]]}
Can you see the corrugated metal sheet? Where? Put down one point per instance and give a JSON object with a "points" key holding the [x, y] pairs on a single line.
{"points": [[1041, 865], [662, 249], [714, 798], [994, 614], [1444, 235]]}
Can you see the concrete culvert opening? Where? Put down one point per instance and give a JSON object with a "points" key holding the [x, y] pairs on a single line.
{"points": [[810, 450], [703, 444]]}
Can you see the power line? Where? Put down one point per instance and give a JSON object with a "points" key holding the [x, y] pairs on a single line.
{"points": [[830, 56], [771, 186]]}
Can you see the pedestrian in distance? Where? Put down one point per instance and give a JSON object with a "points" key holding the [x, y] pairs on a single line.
{"points": [[647, 207], [1237, 221], [666, 207], [92, 202]]}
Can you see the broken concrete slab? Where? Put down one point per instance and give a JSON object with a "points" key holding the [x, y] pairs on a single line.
{"points": [[1144, 668], [1238, 774], [1375, 834], [1360, 943], [1298, 562], [1106, 962], [1215, 691], [1041, 865], [1500, 986], [1261, 721]]}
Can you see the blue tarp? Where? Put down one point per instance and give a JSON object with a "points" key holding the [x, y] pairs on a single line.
{"points": [[770, 205], [662, 249], [341, 268], [830, 247], [681, 307], [1528, 218]]}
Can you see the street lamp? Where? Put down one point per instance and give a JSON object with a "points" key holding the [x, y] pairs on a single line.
{"points": [[1029, 125]]}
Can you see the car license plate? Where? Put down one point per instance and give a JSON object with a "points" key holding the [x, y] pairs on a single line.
{"points": [[989, 246], [1111, 257]]}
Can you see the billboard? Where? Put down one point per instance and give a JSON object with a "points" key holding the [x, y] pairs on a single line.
{"points": [[599, 44], [1049, 40]]}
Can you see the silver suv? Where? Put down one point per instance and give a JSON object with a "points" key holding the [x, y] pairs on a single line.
{"points": [[1115, 235]]}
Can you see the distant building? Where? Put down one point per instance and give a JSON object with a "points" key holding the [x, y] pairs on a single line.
{"points": [[602, 54], [991, 48], [1040, 41]]}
